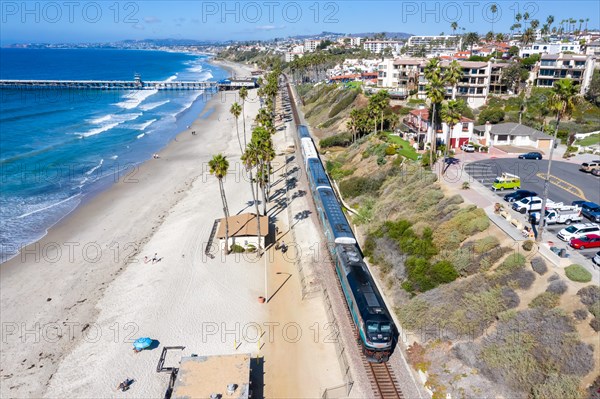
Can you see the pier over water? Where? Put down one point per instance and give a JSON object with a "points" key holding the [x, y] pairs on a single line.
{"points": [[136, 84]]}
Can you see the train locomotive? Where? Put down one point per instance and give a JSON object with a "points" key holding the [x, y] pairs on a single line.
{"points": [[376, 329]]}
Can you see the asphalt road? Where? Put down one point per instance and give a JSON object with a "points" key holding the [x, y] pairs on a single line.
{"points": [[568, 184]]}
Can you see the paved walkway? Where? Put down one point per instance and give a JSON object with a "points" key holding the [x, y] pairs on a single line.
{"points": [[483, 197]]}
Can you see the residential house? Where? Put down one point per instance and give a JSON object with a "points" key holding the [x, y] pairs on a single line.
{"points": [[418, 122], [512, 134], [553, 67]]}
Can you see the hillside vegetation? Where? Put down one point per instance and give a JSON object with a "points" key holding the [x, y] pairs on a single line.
{"points": [[486, 317]]}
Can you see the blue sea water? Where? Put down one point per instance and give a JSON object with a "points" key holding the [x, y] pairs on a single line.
{"points": [[59, 147]]}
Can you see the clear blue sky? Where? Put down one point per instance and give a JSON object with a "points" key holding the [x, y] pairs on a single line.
{"points": [[99, 21]]}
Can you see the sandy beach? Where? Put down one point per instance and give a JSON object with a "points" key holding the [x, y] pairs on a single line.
{"points": [[72, 303]]}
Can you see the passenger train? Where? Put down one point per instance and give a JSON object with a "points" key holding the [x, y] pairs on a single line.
{"points": [[376, 329]]}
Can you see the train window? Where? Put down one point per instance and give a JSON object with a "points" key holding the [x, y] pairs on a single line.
{"points": [[385, 327], [371, 326]]}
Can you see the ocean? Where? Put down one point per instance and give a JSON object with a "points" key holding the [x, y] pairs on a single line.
{"points": [[60, 147]]}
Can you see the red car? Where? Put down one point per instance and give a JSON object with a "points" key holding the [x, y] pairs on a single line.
{"points": [[586, 241]]}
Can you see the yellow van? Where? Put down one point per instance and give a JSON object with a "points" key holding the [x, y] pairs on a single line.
{"points": [[507, 181]]}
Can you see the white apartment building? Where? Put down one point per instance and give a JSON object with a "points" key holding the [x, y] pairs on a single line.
{"points": [[400, 75], [474, 86], [377, 46], [434, 46], [553, 67], [352, 41], [548, 48], [310, 45], [593, 48]]}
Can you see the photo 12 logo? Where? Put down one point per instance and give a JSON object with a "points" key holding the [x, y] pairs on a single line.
{"points": [[269, 12], [53, 12]]}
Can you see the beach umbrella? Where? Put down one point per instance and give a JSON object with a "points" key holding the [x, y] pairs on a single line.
{"points": [[142, 343]]}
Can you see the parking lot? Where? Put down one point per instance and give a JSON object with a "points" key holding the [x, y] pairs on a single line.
{"points": [[567, 184]]}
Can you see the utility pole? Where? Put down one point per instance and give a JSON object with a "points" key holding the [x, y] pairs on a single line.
{"points": [[547, 184]]}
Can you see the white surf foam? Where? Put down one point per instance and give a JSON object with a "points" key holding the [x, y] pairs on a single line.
{"points": [[135, 98], [151, 106], [119, 119], [102, 119], [89, 172], [47, 207], [139, 136], [144, 126]]}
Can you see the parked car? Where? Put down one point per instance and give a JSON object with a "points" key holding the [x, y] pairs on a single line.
{"points": [[506, 181], [531, 204], [590, 166], [519, 195], [596, 172], [531, 155], [590, 210], [596, 259], [578, 230], [586, 241], [467, 148]]}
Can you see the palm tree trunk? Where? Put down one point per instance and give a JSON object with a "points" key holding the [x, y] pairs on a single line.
{"points": [[547, 183], [237, 129], [254, 195], [244, 123], [381, 121], [226, 212]]}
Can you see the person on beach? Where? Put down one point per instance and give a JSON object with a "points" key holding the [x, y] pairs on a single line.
{"points": [[155, 258], [146, 260], [124, 386]]}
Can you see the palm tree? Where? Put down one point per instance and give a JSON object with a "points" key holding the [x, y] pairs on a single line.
{"points": [[250, 159], [586, 23], [236, 110], [435, 93], [564, 100], [243, 93], [489, 37], [453, 75], [581, 21], [218, 166], [471, 39], [528, 36], [454, 26], [534, 24], [518, 18], [500, 37], [451, 116], [352, 123], [494, 10], [550, 20], [525, 19]]}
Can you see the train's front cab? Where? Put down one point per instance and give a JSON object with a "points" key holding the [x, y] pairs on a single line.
{"points": [[380, 338]]}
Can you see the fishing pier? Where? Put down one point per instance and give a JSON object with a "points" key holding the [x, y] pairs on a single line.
{"points": [[136, 84]]}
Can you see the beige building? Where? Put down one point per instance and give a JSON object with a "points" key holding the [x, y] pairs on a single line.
{"points": [[243, 230], [553, 67]]}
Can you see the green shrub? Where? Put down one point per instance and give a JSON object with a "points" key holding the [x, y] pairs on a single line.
{"points": [[545, 300], [391, 150], [485, 244], [237, 249], [343, 103], [512, 262], [355, 186], [527, 245], [337, 140], [557, 386], [578, 273], [329, 122]]}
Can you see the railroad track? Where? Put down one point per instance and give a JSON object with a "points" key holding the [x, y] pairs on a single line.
{"points": [[383, 381]]}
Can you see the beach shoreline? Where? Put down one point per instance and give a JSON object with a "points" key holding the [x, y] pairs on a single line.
{"points": [[50, 291]]}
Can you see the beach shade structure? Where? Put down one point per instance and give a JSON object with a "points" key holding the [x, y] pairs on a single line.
{"points": [[142, 343]]}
